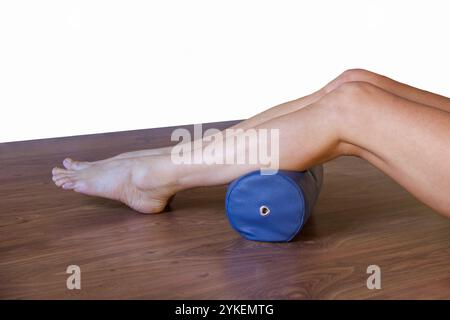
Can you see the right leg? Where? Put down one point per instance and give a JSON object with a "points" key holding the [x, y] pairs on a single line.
{"points": [[408, 141], [400, 89]]}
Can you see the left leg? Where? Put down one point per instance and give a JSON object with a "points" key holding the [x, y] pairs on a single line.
{"points": [[146, 183], [262, 117], [405, 91], [404, 139]]}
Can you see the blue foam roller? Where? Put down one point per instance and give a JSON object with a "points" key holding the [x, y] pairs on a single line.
{"points": [[272, 208]]}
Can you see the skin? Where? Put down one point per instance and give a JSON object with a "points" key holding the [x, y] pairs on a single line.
{"points": [[401, 130]]}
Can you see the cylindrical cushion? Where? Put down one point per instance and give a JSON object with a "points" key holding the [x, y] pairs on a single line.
{"points": [[272, 208]]}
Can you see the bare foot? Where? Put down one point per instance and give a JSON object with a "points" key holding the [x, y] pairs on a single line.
{"points": [[76, 165], [143, 183]]}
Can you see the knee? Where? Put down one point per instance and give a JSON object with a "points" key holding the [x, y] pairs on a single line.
{"points": [[352, 105], [350, 98], [349, 93], [350, 75]]}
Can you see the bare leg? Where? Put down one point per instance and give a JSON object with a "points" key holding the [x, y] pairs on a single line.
{"points": [[352, 75], [273, 112], [408, 141], [400, 89]]}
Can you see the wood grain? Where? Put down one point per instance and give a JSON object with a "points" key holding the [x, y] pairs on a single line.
{"points": [[362, 218]]}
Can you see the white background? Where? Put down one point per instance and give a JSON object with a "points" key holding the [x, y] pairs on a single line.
{"points": [[78, 67]]}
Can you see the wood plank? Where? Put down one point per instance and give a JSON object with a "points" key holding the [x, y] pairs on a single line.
{"points": [[362, 218]]}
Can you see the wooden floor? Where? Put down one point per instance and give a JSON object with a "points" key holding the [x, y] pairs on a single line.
{"points": [[362, 218]]}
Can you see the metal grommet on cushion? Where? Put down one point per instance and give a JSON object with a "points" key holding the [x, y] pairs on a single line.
{"points": [[264, 210]]}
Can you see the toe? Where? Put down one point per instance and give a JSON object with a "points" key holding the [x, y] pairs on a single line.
{"points": [[61, 181], [57, 170], [63, 172], [67, 163], [74, 165], [62, 175], [68, 185]]}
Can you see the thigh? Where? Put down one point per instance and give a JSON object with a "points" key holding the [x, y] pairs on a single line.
{"points": [[407, 140], [405, 91]]}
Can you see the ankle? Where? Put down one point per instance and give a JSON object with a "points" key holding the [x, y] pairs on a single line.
{"points": [[157, 172]]}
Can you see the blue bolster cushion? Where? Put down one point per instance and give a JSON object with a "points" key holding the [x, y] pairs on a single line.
{"points": [[272, 208]]}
